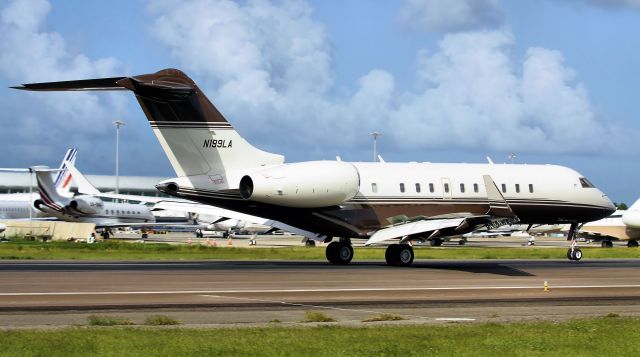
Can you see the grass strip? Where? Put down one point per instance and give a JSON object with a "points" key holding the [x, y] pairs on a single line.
{"points": [[97, 320], [385, 317], [161, 320], [115, 250], [316, 316], [577, 337]]}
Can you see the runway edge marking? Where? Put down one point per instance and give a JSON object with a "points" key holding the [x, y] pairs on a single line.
{"points": [[64, 293]]}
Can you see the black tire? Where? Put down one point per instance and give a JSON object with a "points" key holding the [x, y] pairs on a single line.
{"points": [[462, 242], [391, 255], [339, 253], [632, 243], [404, 257], [577, 254], [569, 255], [310, 243], [438, 242], [606, 244]]}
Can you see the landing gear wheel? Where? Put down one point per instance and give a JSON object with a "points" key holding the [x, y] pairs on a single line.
{"points": [[462, 242], [391, 254], [577, 254], [435, 242], [310, 243], [400, 255], [632, 244], [574, 254], [607, 244], [339, 253]]}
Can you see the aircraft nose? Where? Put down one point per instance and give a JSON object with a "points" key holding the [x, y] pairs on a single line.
{"points": [[608, 204]]}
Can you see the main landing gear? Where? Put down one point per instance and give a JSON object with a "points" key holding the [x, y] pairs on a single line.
{"points": [[400, 255], [632, 243], [574, 253], [340, 252]]}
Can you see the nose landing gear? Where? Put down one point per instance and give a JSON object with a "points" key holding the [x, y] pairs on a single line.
{"points": [[574, 253]]}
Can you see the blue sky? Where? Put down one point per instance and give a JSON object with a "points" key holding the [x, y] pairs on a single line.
{"points": [[553, 81]]}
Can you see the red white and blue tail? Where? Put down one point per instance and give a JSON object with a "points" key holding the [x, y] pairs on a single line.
{"points": [[62, 182]]}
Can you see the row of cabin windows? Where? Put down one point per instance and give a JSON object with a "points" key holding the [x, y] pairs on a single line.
{"points": [[374, 188], [113, 211]]}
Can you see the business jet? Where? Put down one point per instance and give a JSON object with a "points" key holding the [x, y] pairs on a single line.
{"points": [[20, 205], [87, 208], [377, 201], [621, 225]]}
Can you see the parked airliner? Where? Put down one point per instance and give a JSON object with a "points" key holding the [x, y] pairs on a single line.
{"points": [[327, 199]]}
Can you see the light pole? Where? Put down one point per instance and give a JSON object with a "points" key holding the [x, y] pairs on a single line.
{"points": [[375, 135], [118, 124]]}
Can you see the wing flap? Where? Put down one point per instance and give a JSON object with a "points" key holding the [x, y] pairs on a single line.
{"points": [[411, 228]]}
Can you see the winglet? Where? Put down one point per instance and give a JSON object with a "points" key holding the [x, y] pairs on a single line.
{"points": [[84, 186], [498, 206]]}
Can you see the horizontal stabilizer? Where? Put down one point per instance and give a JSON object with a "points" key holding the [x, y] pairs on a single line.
{"points": [[85, 84], [416, 227]]}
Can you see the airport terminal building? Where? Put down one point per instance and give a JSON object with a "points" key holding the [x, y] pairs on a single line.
{"points": [[17, 182]]}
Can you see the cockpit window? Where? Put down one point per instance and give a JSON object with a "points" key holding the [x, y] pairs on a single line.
{"points": [[585, 183]]}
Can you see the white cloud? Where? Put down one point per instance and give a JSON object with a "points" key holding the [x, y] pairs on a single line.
{"points": [[40, 121], [450, 15], [478, 97], [268, 67]]}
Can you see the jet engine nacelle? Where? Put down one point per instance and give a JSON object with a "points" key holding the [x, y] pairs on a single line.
{"points": [[303, 185], [631, 219], [87, 204]]}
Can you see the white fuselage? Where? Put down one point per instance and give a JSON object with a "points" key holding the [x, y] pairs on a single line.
{"points": [[109, 213], [18, 205]]}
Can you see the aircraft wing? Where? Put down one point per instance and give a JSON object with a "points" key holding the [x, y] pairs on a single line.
{"points": [[411, 228], [499, 213], [217, 211]]}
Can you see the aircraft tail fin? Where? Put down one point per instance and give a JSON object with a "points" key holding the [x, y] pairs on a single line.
{"points": [[63, 178], [48, 193], [195, 136], [84, 186]]}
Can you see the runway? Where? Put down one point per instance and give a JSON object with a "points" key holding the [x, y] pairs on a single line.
{"points": [[255, 291]]}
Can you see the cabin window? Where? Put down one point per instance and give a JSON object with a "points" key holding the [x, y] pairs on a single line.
{"points": [[517, 188], [531, 188], [431, 188], [418, 188], [462, 188], [446, 187], [585, 183], [374, 187], [401, 187], [504, 188], [475, 187]]}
